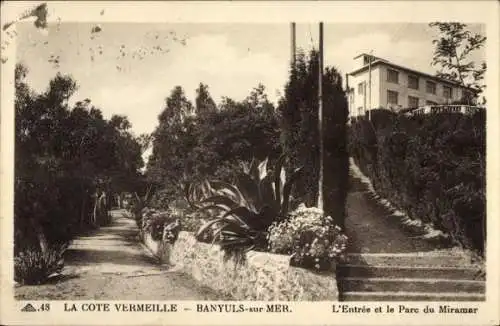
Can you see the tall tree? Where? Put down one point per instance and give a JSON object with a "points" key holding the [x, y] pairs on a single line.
{"points": [[258, 100], [177, 108], [172, 141], [453, 47], [298, 111], [212, 144], [145, 140], [204, 102], [120, 122], [64, 155]]}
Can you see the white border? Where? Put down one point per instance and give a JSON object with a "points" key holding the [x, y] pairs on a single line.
{"points": [[305, 313]]}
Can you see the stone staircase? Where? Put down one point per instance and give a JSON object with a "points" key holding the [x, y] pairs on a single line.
{"points": [[420, 276]]}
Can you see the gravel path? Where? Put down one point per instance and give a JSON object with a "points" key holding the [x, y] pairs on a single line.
{"points": [[110, 264], [372, 228]]}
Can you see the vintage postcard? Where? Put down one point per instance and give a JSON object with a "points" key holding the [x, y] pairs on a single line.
{"points": [[249, 163]]}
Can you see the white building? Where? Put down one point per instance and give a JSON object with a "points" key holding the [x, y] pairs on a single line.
{"points": [[378, 83]]}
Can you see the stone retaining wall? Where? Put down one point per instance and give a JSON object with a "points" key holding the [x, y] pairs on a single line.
{"points": [[261, 276], [159, 249]]}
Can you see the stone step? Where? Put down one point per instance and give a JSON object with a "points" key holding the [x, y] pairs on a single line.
{"points": [[454, 273], [411, 296], [434, 259], [361, 284]]}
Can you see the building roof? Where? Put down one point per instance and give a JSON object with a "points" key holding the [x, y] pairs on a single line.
{"points": [[378, 61], [369, 55]]}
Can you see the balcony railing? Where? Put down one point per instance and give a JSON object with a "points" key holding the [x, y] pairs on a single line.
{"points": [[450, 108]]}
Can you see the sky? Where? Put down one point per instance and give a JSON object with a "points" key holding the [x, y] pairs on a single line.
{"points": [[141, 63]]}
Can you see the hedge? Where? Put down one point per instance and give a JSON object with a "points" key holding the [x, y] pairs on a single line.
{"points": [[431, 166]]}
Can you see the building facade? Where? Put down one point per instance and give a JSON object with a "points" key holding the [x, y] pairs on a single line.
{"points": [[378, 83]]}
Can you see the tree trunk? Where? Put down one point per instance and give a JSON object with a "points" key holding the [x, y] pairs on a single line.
{"points": [[95, 212], [83, 210], [42, 240]]}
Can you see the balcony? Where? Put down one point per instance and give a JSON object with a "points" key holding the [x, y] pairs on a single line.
{"points": [[449, 108]]}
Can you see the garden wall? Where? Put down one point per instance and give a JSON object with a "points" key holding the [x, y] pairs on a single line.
{"points": [[261, 276], [431, 167]]}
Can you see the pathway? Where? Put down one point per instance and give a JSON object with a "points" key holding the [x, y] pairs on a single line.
{"points": [[385, 263], [110, 264], [372, 228]]}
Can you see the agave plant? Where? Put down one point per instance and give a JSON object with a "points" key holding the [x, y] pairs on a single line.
{"points": [[35, 266], [243, 212]]}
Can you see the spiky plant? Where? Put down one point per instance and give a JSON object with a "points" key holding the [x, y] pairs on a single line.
{"points": [[241, 213], [34, 266]]}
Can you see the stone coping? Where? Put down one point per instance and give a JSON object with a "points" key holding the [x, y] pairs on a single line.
{"points": [[259, 276]]}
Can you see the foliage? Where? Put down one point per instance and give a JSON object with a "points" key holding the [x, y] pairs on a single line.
{"points": [[210, 143], [204, 102], [309, 237], [161, 225], [452, 50], [192, 222], [432, 167], [243, 212], [67, 162], [33, 266], [139, 203], [299, 132]]}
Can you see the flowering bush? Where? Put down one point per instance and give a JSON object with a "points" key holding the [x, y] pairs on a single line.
{"points": [[309, 237]]}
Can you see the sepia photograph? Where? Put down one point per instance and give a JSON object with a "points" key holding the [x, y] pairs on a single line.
{"points": [[228, 162]]}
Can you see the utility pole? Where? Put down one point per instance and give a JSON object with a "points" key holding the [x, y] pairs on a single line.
{"points": [[293, 44], [348, 94], [320, 119], [370, 85], [364, 100]]}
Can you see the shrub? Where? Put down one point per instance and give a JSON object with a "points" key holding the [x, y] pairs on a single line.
{"points": [[139, 203], [161, 225], [309, 237], [32, 266], [192, 222], [431, 166], [242, 213]]}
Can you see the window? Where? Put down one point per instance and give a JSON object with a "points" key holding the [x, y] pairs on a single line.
{"points": [[392, 76], [430, 103], [392, 97], [412, 102], [413, 82], [447, 91], [361, 88], [468, 93], [468, 97], [430, 87]]}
